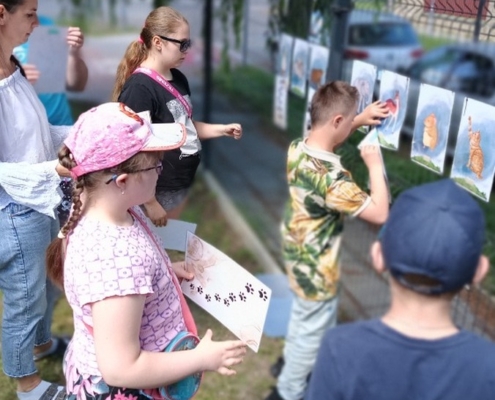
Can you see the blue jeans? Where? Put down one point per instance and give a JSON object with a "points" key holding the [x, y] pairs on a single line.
{"points": [[28, 297], [309, 320]]}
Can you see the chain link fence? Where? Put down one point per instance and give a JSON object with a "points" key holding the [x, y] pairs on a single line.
{"points": [[438, 23]]}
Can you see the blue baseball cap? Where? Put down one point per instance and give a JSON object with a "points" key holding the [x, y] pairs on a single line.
{"points": [[436, 230]]}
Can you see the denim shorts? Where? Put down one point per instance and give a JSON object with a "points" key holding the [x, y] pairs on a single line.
{"points": [[28, 296], [171, 199]]}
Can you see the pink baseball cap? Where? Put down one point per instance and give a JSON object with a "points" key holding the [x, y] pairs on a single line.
{"points": [[111, 133]]}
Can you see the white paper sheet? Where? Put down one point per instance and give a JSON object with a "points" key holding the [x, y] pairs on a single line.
{"points": [[174, 234], [48, 50], [227, 291]]}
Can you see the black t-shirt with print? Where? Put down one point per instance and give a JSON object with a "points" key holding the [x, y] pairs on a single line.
{"points": [[142, 93]]}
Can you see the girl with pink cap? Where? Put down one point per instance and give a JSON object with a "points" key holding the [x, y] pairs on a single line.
{"points": [[121, 285]]}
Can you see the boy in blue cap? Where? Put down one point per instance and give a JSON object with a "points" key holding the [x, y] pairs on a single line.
{"points": [[432, 246]]}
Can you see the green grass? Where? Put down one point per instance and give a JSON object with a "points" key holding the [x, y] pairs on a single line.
{"points": [[430, 42], [252, 380]]}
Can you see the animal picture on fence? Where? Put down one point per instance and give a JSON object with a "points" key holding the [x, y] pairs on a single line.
{"points": [[474, 159], [363, 78], [307, 116], [431, 128], [285, 55], [300, 61], [318, 63], [394, 90]]}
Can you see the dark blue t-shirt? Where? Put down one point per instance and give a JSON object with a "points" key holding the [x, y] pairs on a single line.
{"points": [[370, 361]]}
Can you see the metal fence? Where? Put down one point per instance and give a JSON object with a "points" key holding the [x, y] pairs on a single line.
{"points": [[365, 293]]}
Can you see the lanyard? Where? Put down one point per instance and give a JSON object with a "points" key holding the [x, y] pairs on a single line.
{"points": [[166, 84], [186, 312]]}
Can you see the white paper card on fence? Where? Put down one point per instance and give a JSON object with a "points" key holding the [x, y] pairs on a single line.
{"points": [[48, 50], [318, 64], [431, 128], [285, 55], [394, 89], [307, 115], [174, 234], [363, 78], [227, 291], [280, 101], [299, 69], [371, 138], [474, 159]]}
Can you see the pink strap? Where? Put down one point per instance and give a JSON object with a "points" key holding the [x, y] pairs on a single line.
{"points": [[166, 84], [186, 312]]}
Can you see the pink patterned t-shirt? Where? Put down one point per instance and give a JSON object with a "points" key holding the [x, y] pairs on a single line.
{"points": [[104, 260]]}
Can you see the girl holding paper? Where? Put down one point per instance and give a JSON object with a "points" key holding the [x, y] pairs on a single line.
{"points": [[108, 260]]}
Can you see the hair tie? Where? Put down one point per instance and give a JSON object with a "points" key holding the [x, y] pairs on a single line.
{"points": [[61, 235], [140, 40]]}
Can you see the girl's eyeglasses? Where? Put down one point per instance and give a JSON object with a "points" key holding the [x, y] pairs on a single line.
{"points": [[184, 45], [158, 168]]}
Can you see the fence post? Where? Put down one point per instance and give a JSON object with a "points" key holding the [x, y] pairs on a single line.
{"points": [[479, 15], [339, 11], [207, 72], [245, 42]]}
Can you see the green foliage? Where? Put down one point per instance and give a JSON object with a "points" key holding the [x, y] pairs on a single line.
{"points": [[231, 14]]}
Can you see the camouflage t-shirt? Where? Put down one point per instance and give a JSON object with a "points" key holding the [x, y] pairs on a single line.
{"points": [[321, 193]]}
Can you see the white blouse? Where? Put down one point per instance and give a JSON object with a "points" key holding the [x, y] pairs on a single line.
{"points": [[28, 148]]}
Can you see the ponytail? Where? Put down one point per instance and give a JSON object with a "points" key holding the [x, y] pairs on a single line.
{"points": [[135, 54]]}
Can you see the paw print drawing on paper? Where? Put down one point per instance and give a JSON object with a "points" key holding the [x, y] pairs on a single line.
{"points": [[208, 298], [191, 286], [232, 297], [242, 296], [217, 297], [249, 288], [200, 290], [226, 302], [263, 295]]}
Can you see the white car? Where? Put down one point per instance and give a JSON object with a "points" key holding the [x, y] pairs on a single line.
{"points": [[382, 39]]}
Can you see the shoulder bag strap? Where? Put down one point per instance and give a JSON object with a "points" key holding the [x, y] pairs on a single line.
{"points": [[167, 85]]}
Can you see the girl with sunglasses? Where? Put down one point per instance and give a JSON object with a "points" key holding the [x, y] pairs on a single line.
{"points": [[148, 80]]}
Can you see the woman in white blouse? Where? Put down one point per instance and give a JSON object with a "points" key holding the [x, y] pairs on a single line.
{"points": [[29, 181]]}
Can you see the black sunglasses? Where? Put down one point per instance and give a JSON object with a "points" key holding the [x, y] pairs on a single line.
{"points": [[158, 168], [184, 45]]}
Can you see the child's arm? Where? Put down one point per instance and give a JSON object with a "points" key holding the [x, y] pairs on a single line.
{"points": [[209, 131], [371, 115], [155, 212], [377, 210], [116, 326]]}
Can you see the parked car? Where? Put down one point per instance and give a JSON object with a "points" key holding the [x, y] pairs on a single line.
{"points": [[383, 39], [468, 69]]}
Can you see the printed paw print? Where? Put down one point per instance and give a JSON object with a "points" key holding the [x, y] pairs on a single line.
{"points": [[226, 302], [242, 296], [249, 288], [208, 298], [217, 297], [191, 286], [200, 290], [232, 297], [263, 295]]}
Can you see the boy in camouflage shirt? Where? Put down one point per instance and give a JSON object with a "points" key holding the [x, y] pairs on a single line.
{"points": [[322, 192]]}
